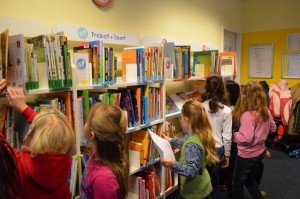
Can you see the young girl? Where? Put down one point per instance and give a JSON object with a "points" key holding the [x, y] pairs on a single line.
{"points": [[255, 121], [107, 172], [197, 150], [219, 116], [44, 162], [232, 93]]}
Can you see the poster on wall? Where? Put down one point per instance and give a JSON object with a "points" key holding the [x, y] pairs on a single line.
{"points": [[290, 67], [261, 60], [293, 41]]}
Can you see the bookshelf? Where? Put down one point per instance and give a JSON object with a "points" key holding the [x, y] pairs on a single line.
{"points": [[118, 41]]}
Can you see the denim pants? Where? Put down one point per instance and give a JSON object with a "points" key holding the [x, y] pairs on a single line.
{"points": [[214, 172], [244, 174]]}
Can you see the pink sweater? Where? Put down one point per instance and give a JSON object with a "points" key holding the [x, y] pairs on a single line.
{"points": [[252, 135]]}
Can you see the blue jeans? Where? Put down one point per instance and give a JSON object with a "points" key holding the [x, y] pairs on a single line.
{"points": [[214, 172], [244, 174]]}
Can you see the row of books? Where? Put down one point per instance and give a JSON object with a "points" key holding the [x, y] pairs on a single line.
{"points": [[174, 102], [143, 104], [145, 184], [38, 62]]}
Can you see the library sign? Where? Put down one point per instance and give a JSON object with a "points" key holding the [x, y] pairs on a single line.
{"points": [[81, 33]]}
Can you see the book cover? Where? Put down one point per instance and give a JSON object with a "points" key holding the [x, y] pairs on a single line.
{"points": [[4, 54], [169, 51], [17, 69], [136, 146], [142, 136], [129, 65], [227, 64], [83, 68]]}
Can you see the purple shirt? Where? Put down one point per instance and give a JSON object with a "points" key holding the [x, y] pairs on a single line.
{"points": [[252, 135], [98, 181]]}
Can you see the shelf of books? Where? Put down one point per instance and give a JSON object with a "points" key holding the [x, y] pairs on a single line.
{"points": [[73, 67]]}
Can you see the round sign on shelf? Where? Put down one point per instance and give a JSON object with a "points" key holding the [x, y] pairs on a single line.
{"points": [[103, 3]]}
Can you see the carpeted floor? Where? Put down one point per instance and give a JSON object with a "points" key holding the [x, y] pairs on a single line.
{"points": [[281, 178]]}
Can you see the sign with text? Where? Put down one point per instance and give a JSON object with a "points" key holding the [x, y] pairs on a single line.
{"points": [[82, 33]]}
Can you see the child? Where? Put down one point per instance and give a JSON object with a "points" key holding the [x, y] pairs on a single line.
{"points": [[107, 172], [45, 159], [9, 177], [255, 122], [219, 116], [197, 150]]}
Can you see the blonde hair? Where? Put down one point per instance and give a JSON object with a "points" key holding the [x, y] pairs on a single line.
{"points": [[195, 112], [109, 124], [50, 132], [253, 99]]}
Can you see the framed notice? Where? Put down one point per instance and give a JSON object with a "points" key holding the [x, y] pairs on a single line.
{"points": [[261, 60], [290, 67]]}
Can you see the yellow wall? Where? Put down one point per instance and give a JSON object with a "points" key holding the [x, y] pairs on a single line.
{"points": [[278, 38], [261, 15], [192, 21]]}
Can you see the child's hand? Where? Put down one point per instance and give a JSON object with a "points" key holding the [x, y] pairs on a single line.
{"points": [[268, 154], [167, 162], [2, 87], [16, 98], [225, 162], [166, 137]]}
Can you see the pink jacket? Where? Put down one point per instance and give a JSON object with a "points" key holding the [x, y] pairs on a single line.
{"points": [[252, 135]]}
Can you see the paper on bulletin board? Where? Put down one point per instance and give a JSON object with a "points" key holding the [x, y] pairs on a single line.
{"points": [[290, 65], [163, 146], [261, 60]]}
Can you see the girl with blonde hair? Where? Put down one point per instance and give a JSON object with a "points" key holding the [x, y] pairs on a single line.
{"points": [[255, 122], [197, 150], [44, 161], [107, 172]]}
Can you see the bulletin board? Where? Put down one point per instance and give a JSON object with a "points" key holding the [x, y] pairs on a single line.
{"points": [[290, 67], [261, 60]]}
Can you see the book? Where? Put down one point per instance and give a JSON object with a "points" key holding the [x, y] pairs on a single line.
{"points": [[227, 64], [169, 51], [4, 54], [142, 136], [17, 68], [136, 146], [46, 79], [83, 68], [205, 59], [129, 65]]}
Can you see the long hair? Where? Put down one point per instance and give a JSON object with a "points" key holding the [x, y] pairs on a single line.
{"points": [[10, 185], [215, 92], [109, 125], [50, 132], [194, 111], [252, 99], [233, 89]]}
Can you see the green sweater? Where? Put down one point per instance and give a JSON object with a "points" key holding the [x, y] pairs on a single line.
{"points": [[200, 185]]}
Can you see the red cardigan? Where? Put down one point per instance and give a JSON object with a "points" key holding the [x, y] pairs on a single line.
{"points": [[43, 176]]}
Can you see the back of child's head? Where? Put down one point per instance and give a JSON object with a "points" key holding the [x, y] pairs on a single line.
{"points": [[200, 125], [233, 89], [252, 99], [215, 92], [9, 175], [109, 125], [50, 132]]}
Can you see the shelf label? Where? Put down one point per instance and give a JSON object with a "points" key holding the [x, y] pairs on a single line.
{"points": [[82, 33]]}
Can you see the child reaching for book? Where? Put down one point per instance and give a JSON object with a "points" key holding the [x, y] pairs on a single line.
{"points": [[107, 172], [44, 162], [197, 150], [255, 123]]}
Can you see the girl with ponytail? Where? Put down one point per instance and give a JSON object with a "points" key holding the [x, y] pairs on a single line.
{"points": [[197, 151], [219, 116], [107, 172]]}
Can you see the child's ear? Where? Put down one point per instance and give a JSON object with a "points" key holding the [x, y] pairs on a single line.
{"points": [[92, 137]]}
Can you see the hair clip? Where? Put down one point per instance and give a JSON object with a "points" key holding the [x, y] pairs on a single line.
{"points": [[124, 164]]}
